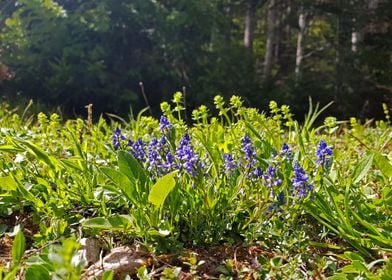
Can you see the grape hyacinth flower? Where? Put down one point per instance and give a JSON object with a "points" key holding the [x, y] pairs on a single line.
{"points": [[257, 173], [164, 124], [160, 161], [229, 164], [154, 159], [271, 180], [170, 163], [301, 186], [286, 151], [249, 151], [137, 149], [117, 137], [187, 157], [323, 154]]}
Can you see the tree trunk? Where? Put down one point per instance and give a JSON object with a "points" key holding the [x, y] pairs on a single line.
{"points": [[300, 45], [250, 24], [269, 47]]}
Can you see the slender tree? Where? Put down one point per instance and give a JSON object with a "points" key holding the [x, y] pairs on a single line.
{"points": [[270, 39], [302, 25], [250, 23]]}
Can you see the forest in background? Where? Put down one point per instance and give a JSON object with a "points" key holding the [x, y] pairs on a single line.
{"points": [[71, 53]]}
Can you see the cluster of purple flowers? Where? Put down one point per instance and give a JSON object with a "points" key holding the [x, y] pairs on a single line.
{"points": [[158, 157], [300, 181], [249, 152], [286, 152], [117, 138], [323, 153], [188, 159], [164, 124], [229, 164], [137, 149], [271, 179]]}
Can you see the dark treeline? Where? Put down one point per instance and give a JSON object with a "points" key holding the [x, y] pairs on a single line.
{"points": [[75, 52]]}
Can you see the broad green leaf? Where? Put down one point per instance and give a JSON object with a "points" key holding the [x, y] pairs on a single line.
{"points": [[362, 168], [162, 188], [18, 247], [383, 164], [116, 222], [37, 271], [129, 166], [98, 222], [8, 183], [126, 185], [355, 267]]}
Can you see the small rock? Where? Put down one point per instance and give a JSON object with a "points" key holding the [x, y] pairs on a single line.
{"points": [[121, 260]]}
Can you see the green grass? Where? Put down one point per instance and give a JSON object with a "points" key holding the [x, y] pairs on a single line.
{"points": [[69, 181]]}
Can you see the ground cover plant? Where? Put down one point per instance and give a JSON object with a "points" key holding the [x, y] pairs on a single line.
{"points": [[232, 194]]}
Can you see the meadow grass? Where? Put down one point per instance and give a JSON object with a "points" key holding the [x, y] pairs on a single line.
{"points": [[317, 198]]}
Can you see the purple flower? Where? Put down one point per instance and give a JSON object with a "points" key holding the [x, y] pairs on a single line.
{"points": [[323, 154], [187, 157], [229, 164], [301, 187], [249, 151], [286, 151], [257, 173], [154, 159], [164, 124], [170, 163], [271, 180], [159, 158], [137, 149], [117, 137]]}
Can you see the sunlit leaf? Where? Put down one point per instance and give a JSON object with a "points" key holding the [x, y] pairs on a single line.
{"points": [[362, 168], [161, 189]]}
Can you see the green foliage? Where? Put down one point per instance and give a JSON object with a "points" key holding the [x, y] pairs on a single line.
{"points": [[72, 182]]}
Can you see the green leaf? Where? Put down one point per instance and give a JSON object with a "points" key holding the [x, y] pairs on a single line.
{"points": [[8, 183], [18, 248], [10, 148], [353, 256], [116, 222], [356, 267], [340, 276], [11, 274], [108, 275], [142, 273], [362, 168], [98, 222], [122, 182], [129, 166], [162, 188], [383, 164], [37, 272], [39, 154]]}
